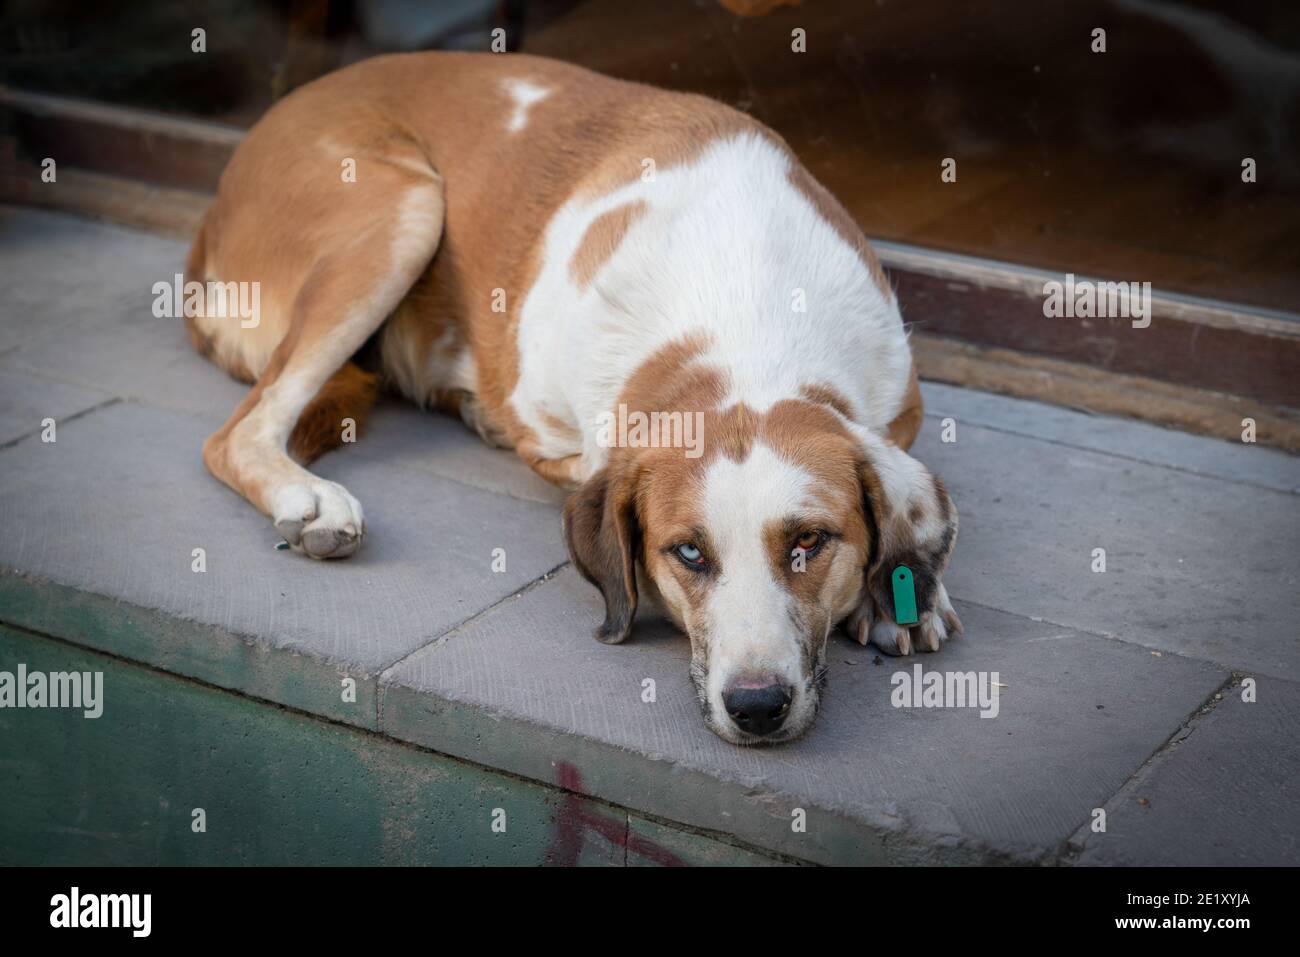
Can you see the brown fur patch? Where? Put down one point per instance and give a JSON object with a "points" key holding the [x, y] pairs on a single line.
{"points": [[907, 424], [349, 394], [561, 427], [810, 436], [602, 239], [675, 379], [565, 473], [733, 432], [825, 395]]}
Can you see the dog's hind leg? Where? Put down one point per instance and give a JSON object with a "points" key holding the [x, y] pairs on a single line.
{"points": [[364, 260]]}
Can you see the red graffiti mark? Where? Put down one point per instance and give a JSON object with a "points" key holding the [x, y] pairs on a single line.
{"points": [[575, 821]]}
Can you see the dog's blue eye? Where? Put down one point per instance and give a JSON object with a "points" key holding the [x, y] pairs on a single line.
{"points": [[690, 555]]}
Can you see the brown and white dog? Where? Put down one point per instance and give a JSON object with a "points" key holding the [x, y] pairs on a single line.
{"points": [[533, 246]]}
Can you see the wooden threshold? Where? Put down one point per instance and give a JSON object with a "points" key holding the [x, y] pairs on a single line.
{"points": [[159, 209], [135, 144], [1204, 344], [1088, 389]]}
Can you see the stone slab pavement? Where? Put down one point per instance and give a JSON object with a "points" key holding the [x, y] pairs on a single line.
{"points": [[1115, 688]]}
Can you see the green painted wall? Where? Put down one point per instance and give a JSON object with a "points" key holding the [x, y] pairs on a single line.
{"points": [[277, 787]]}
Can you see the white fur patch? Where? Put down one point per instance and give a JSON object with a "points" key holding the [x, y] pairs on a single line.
{"points": [[525, 95], [752, 631]]}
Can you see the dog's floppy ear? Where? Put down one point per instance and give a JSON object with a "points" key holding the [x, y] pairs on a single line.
{"points": [[601, 528], [914, 522]]}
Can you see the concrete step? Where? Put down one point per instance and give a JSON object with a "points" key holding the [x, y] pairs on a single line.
{"points": [[1109, 681]]}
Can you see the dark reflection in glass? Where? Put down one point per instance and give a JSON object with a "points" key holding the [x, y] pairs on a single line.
{"points": [[1125, 164]]}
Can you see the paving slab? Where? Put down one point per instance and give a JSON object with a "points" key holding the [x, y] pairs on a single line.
{"points": [[1194, 564], [118, 504], [26, 401], [1249, 463], [110, 358], [60, 270], [133, 355], [1225, 793], [526, 687]]}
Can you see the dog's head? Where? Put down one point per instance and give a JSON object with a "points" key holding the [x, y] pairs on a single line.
{"points": [[757, 548]]}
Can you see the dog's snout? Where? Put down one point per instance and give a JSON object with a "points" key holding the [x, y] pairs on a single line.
{"points": [[758, 707]]}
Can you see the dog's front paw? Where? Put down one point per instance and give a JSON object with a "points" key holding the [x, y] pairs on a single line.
{"points": [[320, 519], [869, 624], [937, 624]]}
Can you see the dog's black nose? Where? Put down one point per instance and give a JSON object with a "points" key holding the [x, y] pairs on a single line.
{"points": [[758, 709]]}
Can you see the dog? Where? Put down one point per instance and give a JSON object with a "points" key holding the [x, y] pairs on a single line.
{"points": [[532, 246]]}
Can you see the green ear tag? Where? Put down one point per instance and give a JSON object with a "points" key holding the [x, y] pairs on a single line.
{"points": [[904, 596]]}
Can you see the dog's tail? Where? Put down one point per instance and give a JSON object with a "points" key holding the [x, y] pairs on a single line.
{"points": [[336, 415], [196, 270]]}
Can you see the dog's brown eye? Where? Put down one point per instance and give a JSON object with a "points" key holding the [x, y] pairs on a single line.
{"points": [[809, 541]]}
